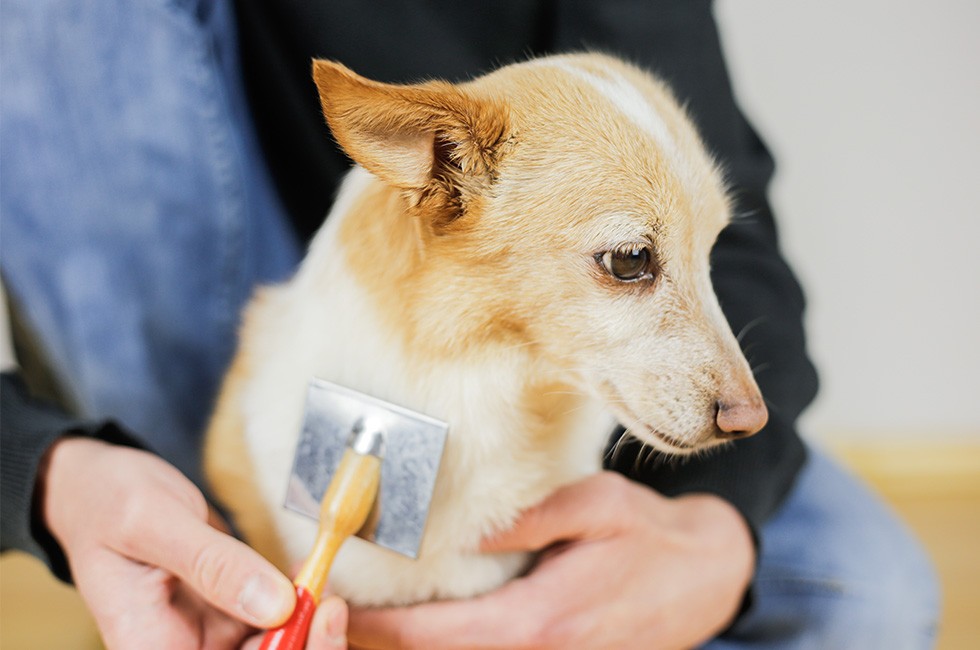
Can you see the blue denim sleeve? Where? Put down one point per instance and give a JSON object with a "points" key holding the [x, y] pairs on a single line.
{"points": [[137, 213]]}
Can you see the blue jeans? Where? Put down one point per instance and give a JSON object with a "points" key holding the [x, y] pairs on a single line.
{"points": [[138, 215], [137, 212], [837, 571]]}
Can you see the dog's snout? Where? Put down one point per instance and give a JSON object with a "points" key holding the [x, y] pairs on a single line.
{"points": [[740, 419]]}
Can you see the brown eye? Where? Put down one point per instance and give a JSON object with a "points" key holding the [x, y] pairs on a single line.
{"points": [[628, 265]]}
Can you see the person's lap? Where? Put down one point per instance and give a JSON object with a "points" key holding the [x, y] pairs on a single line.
{"points": [[837, 570]]}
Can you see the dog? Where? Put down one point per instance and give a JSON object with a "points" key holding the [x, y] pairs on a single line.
{"points": [[525, 256]]}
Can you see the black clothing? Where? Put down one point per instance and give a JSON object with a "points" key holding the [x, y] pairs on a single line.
{"points": [[402, 42], [397, 41], [30, 427]]}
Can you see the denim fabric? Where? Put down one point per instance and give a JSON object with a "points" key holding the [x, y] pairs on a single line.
{"points": [[837, 571], [137, 214]]}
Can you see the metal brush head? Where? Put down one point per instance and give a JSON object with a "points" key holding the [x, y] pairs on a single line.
{"points": [[410, 445]]}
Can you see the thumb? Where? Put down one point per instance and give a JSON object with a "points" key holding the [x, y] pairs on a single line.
{"points": [[224, 571], [588, 509], [328, 631]]}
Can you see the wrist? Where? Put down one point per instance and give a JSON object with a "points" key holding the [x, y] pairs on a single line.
{"points": [[733, 530], [720, 524], [55, 492]]}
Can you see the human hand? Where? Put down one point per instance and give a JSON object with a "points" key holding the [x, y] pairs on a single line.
{"points": [[149, 563], [625, 567], [328, 629]]}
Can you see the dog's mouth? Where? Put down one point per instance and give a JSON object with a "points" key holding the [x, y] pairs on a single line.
{"points": [[663, 441], [672, 442], [653, 435]]}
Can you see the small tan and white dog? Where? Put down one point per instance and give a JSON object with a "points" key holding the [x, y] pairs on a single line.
{"points": [[524, 256]]}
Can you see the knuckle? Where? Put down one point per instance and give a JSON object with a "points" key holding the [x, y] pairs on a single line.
{"points": [[197, 504], [614, 485], [131, 524], [210, 569]]}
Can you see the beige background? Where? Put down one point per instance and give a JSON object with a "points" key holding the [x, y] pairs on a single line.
{"points": [[872, 109]]}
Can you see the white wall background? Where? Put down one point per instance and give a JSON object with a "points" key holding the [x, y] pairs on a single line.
{"points": [[872, 110]]}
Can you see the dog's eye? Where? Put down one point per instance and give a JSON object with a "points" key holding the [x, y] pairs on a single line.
{"points": [[628, 265]]}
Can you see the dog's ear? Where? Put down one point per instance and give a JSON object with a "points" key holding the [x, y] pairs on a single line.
{"points": [[432, 140]]}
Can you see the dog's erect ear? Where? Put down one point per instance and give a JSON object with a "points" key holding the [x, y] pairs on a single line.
{"points": [[432, 140]]}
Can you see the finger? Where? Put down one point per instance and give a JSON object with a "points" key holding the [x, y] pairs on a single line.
{"points": [[217, 629], [253, 642], [404, 627], [588, 509], [503, 619], [129, 603], [217, 521], [225, 572], [328, 631]]}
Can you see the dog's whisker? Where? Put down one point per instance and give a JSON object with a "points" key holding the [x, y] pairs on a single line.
{"points": [[576, 393], [744, 217], [748, 327], [773, 408], [519, 346], [625, 439], [572, 410], [643, 456], [612, 454]]}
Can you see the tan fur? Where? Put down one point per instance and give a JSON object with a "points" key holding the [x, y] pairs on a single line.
{"points": [[398, 132], [464, 279], [228, 463]]}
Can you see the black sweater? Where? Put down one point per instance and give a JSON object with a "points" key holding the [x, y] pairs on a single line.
{"points": [[397, 41], [393, 40]]}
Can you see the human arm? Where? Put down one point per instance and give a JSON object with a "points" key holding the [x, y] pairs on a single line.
{"points": [[671, 595], [594, 589], [135, 536]]}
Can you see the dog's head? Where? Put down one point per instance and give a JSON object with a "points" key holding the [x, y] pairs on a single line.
{"points": [[565, 207]]}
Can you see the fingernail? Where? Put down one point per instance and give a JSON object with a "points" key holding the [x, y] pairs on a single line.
{"points": [[336, 613], [265, 599]]}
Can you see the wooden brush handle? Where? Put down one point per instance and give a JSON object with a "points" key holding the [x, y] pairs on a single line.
{"points": [[343, 511]]}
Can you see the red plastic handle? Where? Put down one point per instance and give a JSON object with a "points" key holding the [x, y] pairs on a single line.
{"points": [[292, 634]]}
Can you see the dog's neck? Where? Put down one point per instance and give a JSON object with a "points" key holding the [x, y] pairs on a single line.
{"points": [[495, 396]]}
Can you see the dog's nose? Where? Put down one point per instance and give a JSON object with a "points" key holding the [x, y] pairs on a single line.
{"points": [[740, 419]]}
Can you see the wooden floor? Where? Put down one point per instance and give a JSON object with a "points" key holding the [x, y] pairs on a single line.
{"points": [[936, 491]]}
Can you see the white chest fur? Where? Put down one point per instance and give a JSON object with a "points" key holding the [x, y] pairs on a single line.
{"points": [[322, 325]]}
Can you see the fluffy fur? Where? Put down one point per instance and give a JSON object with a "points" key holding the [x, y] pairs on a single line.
{"points": [[464, 272]]}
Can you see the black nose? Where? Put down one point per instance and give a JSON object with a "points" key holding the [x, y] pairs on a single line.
{"points": [[740, 419]]}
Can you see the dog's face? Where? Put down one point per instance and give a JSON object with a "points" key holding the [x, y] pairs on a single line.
{"points": [[564, 206]]}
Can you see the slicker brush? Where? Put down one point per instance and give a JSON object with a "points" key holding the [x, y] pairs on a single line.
{"points": [[344, 509]]}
